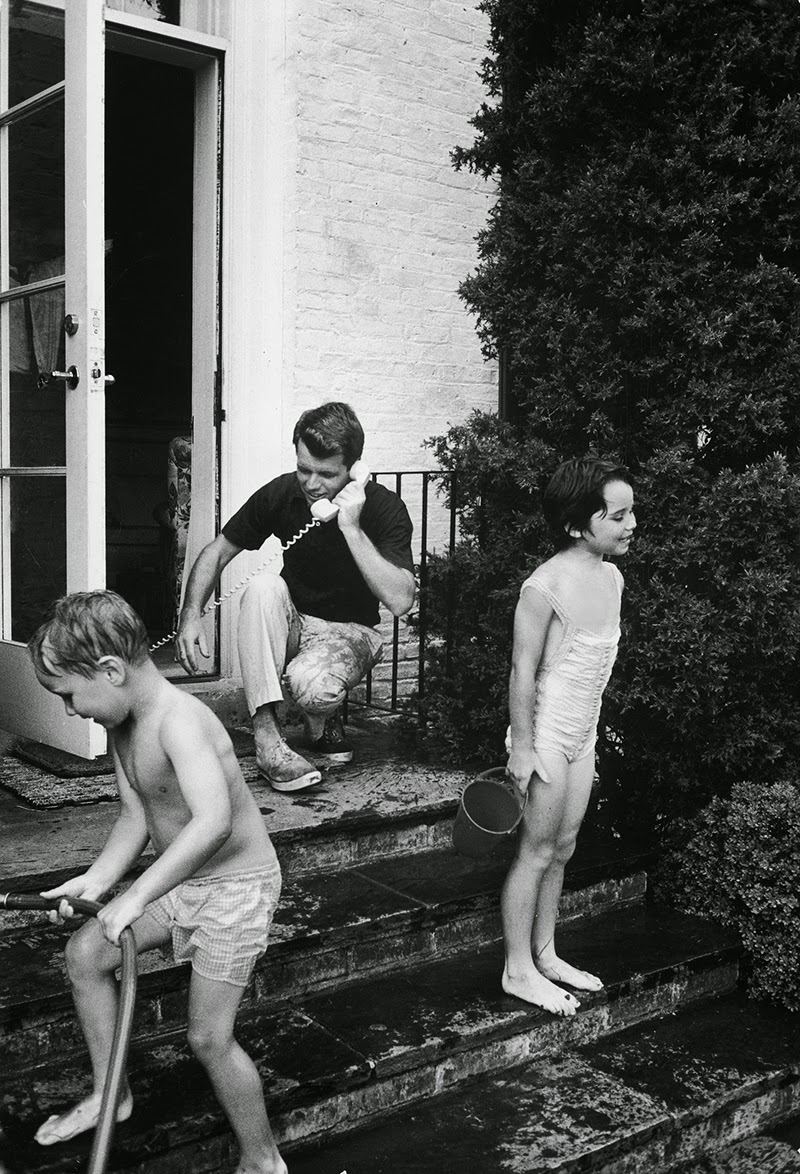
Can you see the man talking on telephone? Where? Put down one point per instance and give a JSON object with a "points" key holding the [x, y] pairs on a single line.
{"points": [[310, 632]]}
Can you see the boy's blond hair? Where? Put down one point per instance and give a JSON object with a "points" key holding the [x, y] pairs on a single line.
{"points": [[82, 628]]}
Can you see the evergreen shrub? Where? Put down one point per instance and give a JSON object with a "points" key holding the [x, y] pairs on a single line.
{"points": [[737, 862], [638, 278]]}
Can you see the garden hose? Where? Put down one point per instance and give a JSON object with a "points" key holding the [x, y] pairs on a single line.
{"points": [[104, 1132]]}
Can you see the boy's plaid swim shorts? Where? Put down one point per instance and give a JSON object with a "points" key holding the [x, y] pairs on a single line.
{"points": [[221, 923]]}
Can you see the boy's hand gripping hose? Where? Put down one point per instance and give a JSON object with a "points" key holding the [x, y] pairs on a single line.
{"points": [[104, 1132]]}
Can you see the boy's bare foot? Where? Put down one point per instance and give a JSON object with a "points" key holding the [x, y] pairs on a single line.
{"points": [[83, 1116], [279, 1167], [557, 970], [534, 988]]}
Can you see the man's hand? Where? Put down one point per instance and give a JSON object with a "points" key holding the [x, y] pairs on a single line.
{"points": [[190, 639], [206, 571], [350, 501]]}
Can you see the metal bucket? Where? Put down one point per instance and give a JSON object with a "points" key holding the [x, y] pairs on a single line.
{"points": [[490, 808]]}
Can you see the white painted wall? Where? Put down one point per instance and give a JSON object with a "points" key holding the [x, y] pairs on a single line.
{"points": [[347, 232], [380, 228]]}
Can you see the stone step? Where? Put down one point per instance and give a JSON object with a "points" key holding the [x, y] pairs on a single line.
{"points": [[329, 929], [379, 805], [754, 1155], [666, 1096], [789, 1132], [338, 1059]]}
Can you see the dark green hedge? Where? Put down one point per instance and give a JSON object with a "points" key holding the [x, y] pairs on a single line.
{"points": [[738, 862], [638, 277]]}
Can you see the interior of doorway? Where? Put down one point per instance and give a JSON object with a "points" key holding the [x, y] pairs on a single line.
{"points": [[148, 233]]}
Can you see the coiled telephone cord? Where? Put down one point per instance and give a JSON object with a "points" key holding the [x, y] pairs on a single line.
{"points": [[243, 582]]}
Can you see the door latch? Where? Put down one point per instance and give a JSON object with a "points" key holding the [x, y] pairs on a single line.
{"points": [[70, 377]]}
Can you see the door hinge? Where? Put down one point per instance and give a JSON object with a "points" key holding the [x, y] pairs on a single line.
{"points": [[219, 411]]}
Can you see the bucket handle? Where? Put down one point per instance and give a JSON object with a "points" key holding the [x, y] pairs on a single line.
{"points": [[498, 774]]}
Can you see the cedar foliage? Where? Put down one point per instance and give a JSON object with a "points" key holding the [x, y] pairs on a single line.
{"points": [[640, 274]]}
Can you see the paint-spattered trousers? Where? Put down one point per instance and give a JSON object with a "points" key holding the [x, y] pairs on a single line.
{"points": [[284, 653]]}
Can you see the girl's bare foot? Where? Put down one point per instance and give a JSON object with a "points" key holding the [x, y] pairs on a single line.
{"points": [[534, 988], [83, 1116], [279, 1167], [558, 970]]}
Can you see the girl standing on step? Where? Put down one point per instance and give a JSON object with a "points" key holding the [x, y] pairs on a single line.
{"points": [[566, 631]]}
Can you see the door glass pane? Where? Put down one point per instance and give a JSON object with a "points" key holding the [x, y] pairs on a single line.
{"points": [[36, 416], [38, 550], [36, 195], [35, 50]]}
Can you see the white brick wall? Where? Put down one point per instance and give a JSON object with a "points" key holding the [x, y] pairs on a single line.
{"points": [[380, 229], [350, 233]]}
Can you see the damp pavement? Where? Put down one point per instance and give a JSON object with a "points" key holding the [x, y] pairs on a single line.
{"points": [[376, 1018], [382, 784]]}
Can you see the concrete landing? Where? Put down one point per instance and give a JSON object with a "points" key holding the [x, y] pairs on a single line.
{"points": [[380, 789]]}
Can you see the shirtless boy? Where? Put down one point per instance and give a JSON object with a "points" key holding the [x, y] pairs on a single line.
{"points": [[180, 789]]}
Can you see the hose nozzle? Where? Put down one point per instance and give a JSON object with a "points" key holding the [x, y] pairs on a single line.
{"points": [[27, 901], [37, 901]]}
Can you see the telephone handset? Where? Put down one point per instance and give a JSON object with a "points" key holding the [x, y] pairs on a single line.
{"points": [[324, 510]]}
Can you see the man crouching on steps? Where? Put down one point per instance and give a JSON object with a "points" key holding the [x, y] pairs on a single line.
{"points": [[213, 886], [311, 630]]}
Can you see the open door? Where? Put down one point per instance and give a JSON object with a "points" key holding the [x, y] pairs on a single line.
{"points": [[90, 224], [162, 111], [52, 339]]}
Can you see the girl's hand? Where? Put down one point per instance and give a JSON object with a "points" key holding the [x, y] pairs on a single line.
{"points": [[522, 766], [118, 914]]}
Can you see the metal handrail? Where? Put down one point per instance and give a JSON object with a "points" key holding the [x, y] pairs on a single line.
{"points": [[426, 476]]}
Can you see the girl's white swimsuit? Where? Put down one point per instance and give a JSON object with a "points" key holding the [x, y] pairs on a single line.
{"points": [[570, 682]]}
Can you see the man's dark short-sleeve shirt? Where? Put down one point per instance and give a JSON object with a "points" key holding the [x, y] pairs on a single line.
{"points": [[319, 570]]}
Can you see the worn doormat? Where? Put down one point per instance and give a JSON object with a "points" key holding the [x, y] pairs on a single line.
{"points": [[61, 763], [43, 790], [47, 778], [70, 766]]}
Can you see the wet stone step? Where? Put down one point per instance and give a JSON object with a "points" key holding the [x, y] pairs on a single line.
{"points": [[175, 1108], [668, 1096], [381, 804], [755, 1155], [329, 929], [333, 1061]]}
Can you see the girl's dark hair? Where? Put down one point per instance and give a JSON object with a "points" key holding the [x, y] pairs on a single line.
{"points": [[330, 429], [82, 628], [575, 492]]}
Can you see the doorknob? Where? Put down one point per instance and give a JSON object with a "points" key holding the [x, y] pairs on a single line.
{"points": [[70, 377]]}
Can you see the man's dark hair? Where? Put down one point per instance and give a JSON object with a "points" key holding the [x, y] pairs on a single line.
{"points": [[329, 429], [575, 492], [82, 628]]}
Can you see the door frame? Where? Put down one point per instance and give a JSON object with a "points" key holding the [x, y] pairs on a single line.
{"points": [[27, 708], [204, 55]]}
